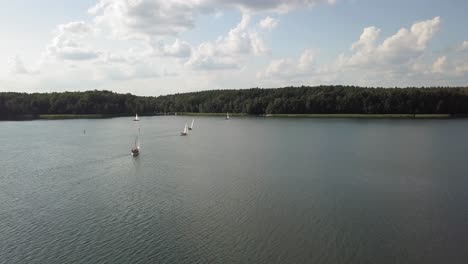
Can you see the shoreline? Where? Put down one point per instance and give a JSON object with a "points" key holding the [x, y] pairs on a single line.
{"points": [[356, 116], [363, 116], [63, 117], [372, 116]]}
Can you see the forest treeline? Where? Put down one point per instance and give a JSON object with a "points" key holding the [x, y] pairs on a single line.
{"points": [[255, 101]]}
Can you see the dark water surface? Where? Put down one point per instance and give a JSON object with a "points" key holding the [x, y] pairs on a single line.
{"points": [[247, 190]]}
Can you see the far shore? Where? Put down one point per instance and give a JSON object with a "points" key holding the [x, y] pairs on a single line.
{"points": [[59, 117], [363, 116], [377, 116]]}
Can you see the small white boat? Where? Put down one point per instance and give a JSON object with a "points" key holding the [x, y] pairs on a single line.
{"points": [[227, 116], [185, 132], [136, 118], [191, 126], [136, 148]]}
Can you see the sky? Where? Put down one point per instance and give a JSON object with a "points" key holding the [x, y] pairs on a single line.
{"points": [[156, 47]]}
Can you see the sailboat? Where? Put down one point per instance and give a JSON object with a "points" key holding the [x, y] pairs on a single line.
{"points": [[136, 148], [191, 126], [185, 132], [227, 116], [136, 118]]}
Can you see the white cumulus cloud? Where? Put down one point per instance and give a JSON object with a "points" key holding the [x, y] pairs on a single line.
{"points": [[66, 44], [268, 23], [145, 18], [398, 49], [226, 50], [281, 6], [464, 46], [403, 58], [155, 18], [289, 68], [179, 48], [16, 66], [440, 65]]}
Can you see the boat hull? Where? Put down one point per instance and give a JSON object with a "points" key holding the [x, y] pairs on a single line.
{"points": [[183, 134], [135, 152]]}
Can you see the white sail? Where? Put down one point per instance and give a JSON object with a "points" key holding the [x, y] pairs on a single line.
{"points": [[191, 126], [227, 115], [137, 143], [136, 147], [136, 117], [186, 128]]}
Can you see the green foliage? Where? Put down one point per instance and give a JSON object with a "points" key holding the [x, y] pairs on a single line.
{"points": [[289, 100]]}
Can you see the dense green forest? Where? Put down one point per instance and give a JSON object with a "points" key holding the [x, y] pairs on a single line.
{"points": [[289, 100]]}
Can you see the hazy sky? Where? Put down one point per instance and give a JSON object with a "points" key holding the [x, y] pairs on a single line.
{"points": [[153, 47]]}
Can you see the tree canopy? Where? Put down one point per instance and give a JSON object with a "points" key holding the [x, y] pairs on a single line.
{"points": [[255, 101]]}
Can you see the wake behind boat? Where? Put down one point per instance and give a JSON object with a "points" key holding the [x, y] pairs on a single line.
{"points": [[185, 132]]}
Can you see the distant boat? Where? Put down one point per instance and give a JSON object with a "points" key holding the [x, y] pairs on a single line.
{"points": [[227, 116], [185, 132], [136, 148], [191, 126], [136, 118]]}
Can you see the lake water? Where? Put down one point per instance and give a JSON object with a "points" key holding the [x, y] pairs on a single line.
{"points": [[247, 190]]}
